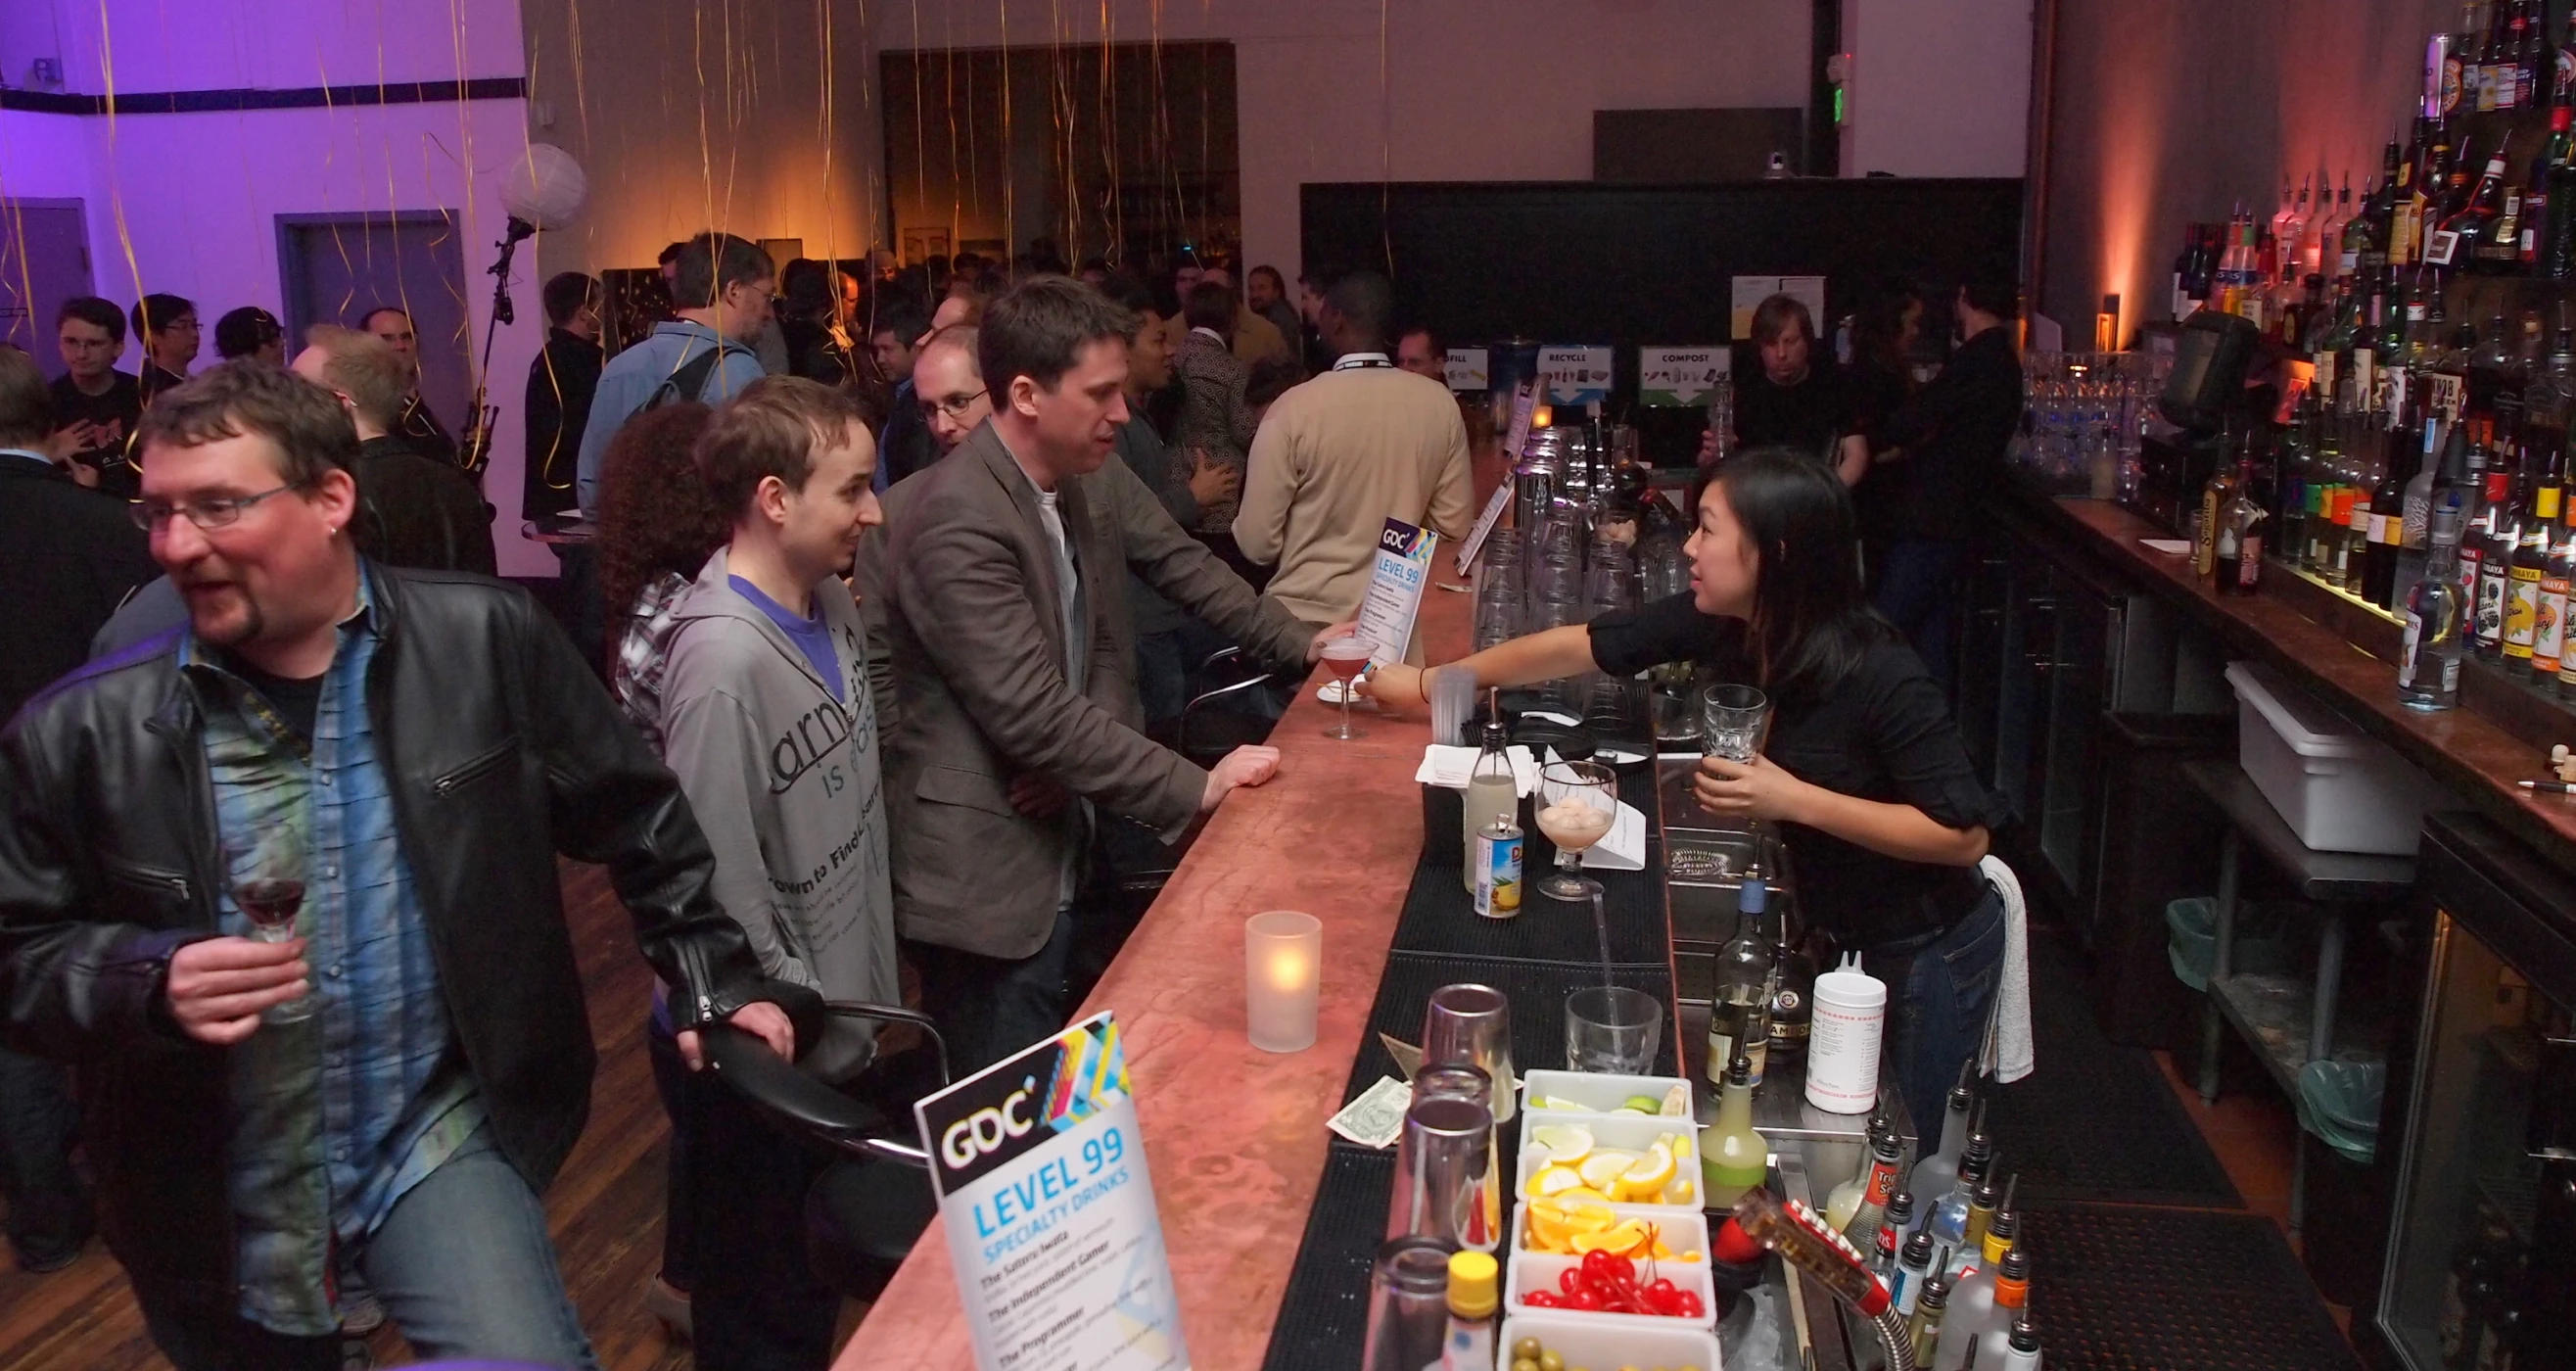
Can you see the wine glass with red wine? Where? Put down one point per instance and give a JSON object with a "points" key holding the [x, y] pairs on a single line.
{"points": [[270, 891]]}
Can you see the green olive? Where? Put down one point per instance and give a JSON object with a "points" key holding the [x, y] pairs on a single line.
{"points": [[1524, 1364], [1527, 1349], [1549, 1361]]}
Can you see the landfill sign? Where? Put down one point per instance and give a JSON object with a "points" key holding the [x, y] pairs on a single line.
{"points": [[1049, 1213], [1680, 376]]}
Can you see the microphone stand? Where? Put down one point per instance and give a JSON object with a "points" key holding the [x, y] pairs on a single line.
{"points": [[477, 452]]}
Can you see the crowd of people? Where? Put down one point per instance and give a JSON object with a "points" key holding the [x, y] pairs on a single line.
{"points": [[896, 581]]}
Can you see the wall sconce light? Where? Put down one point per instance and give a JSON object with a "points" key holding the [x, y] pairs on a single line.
{"points": [[2106, 325]]}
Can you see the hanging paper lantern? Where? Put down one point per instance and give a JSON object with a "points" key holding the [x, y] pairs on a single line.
{"points": [[545, 187]]}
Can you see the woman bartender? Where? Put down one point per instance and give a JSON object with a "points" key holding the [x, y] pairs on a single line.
{"points": [[1863, 773]]}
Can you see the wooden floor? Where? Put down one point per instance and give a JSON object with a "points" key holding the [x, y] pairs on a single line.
{"points": [[606, 1208]]}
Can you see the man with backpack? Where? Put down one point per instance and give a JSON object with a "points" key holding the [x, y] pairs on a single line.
{"points": [[720, 289]]}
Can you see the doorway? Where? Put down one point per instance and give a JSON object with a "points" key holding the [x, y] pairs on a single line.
{"points": [[338, 268], [44, 260]]}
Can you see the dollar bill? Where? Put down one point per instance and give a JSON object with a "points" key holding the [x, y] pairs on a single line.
{"points": [[1376, 1118]]}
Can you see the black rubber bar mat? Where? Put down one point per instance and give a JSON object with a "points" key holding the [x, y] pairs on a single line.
{"points": [[1537, 993], [1440, 919], [2095, 1120], [1323, 1314], [2116, 1288]]}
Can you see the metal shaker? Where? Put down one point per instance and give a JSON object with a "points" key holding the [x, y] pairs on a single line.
{"points": [[1443, 1163], [1484, 1232], [1408, 1317], [1471, 1025]]}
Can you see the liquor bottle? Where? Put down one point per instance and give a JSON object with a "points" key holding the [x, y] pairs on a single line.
{"points": [[1913, 1272], [1732, 1157], [2343, 558], [1885, 1160], [2506, 64], [1899, 1216], [2456, 236], [2558, 253], [1925, 1327], [1948, 1224], [1492, 793], [2387, 535], [2495, 559], [2416, 511], [2284, 215], [2239, 563], [2435, 619], [2531, 561], [2181, 300], [2214, 497], [2011, 1318], [2549, 626], [1983, 1203], [2485, 502], [2396, 210], [2540, 187], [2331, 249], [1972, 1298], [1739, 1021], [2289, 479], [1793, 994], [2536, 66], [2366, 231], [1938, 1171], [2497, 378], [2563, 571], [2498, 251]]}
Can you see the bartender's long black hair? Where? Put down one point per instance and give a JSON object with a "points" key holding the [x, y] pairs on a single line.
{"points": [[1811, 622]]}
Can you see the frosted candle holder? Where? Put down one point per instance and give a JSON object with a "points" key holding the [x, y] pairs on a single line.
{"points": [[1283, 960]]}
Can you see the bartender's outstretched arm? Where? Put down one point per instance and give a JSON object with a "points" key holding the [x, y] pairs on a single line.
{"points": [[1542, 656]]}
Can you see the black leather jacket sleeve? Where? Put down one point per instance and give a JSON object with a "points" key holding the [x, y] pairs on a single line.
{"points": [[69, 989], [613, 802]]}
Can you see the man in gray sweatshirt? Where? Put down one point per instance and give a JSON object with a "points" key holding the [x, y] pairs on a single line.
{"points": [[768, 723]]}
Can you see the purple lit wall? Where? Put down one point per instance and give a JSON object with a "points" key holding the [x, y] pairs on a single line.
{"points": [[189, 203]]}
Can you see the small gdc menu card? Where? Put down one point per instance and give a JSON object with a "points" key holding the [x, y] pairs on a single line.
{"points": [[1050, 1214]]}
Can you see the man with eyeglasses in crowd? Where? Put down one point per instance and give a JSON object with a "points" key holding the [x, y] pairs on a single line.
{"points": [[167, 327], [426, 743]]}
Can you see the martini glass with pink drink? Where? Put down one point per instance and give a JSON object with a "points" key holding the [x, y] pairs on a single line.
{"points": [[1346, 657], [1578, 802]]}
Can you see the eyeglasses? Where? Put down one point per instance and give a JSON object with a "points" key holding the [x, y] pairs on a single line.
{"points": [[220, 512], [955, 406]]}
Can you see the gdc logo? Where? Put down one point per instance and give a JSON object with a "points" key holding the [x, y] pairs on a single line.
{"points": [[985, 1130]]}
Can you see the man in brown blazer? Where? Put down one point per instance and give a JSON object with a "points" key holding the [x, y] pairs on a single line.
{"points": [[1003, 581]]}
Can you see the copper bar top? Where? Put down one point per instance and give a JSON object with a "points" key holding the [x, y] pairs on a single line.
{"points": [[1234, 1136], [2468, 755]]}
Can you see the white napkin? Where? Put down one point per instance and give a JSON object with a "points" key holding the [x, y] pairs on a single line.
{"points": [[1450, 767], [1625, 847], [2013, 1054]]}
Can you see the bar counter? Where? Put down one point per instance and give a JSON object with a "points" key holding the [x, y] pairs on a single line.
{"points": [[2306, 631], [1235, 1137]]}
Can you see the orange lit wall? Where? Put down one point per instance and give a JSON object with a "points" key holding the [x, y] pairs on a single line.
{"points": [[2169, 112]]}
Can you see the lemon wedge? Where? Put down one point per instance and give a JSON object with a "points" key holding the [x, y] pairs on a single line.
{"points": [[1647, 1177], [1621, 1238], [1677, 1104], [1564, 1144], [1585, 1216], [1555, 1180], [1559, 1102], [1582, 1192], [1602, 1169]]}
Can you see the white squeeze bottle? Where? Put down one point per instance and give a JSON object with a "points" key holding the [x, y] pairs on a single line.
{"points": [[1491, 792]]}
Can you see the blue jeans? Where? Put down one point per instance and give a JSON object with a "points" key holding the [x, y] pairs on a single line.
{"points": [[462, 1264], [990, 1007], [737, 1207], [49, 1208], [1918, 578], [1938, 1019]]}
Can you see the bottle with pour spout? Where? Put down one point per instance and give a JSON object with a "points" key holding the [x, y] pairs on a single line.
{"points": [[1492, 792], [1732, 1157]]}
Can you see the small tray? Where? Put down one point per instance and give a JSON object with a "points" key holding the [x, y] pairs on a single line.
{"points": [[1540, 1270], [1602, 1342]]}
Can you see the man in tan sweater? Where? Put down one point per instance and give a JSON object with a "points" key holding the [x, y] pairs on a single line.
{"points": [[1339, 455]]}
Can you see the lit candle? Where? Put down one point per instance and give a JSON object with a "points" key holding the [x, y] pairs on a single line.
{"points": [[1283, 954]]}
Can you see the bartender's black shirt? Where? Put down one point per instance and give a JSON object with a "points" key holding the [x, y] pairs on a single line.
{"points": [[1882, 732], [1954, 432], [1809, 416]]}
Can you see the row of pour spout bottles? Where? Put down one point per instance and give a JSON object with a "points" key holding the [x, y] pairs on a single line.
{"points": [[1945, 1239]]}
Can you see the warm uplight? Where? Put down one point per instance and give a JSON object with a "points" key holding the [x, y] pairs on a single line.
{"points": [[2106, 325], [1283, 954]]}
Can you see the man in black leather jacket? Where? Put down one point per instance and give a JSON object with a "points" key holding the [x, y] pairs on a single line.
{"points": [[495, 749]]}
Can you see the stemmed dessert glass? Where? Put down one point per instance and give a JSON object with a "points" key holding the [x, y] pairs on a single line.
{"points": [[1579, 801]]}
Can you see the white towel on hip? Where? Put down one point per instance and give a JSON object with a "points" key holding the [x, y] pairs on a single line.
{"points": [[2009, 1053]]}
